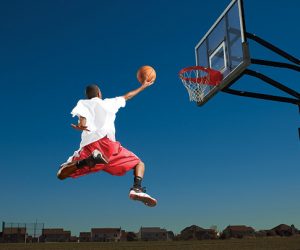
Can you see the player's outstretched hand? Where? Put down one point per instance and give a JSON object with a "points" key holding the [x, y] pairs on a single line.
{"points": [[147, 83], [79, 127]]}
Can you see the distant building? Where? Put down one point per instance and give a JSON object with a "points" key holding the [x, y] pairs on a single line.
{"points": [[271, 233], [152, 234], [106, 234], [285, 230], [131, 236], [31, 239], [170, 235], [14, 234], [261, 233], [55, 235], [124, 235], [238, 232], [85, 237], [74, 239], [197, 233]]}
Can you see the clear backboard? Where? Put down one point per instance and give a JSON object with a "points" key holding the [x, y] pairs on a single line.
{"points": [[224, 48]]}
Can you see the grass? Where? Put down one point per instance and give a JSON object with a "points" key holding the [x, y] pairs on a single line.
{"points": [[276, 243]]}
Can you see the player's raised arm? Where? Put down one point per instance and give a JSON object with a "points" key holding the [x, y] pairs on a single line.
{"points": [[133, 93]]}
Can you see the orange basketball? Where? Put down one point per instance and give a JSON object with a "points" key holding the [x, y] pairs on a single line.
{"points": [[146, 73]]}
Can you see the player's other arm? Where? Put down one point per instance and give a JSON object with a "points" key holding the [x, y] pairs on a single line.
{"points": [[81, 124], [133, 93]]}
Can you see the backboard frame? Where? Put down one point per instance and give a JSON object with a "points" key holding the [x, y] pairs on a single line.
{"points": [[245, 61]]}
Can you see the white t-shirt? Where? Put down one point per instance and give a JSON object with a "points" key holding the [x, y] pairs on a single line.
{"points": [[100, 117]]}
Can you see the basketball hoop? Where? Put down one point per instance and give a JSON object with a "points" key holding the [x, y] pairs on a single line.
{"points": [[199, 81]]}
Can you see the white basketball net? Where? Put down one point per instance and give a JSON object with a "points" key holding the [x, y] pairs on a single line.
{"points": [[197, 84]]}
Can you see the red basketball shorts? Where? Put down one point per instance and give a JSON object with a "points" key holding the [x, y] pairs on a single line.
{"points": [[120, 160]]}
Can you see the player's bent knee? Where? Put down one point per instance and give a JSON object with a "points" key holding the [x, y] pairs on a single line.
{"points": [[140, 164]]}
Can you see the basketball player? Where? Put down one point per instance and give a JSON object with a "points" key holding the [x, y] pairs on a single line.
{"points": [[99, 150]]}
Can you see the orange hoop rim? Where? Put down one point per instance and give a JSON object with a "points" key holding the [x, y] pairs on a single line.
{"points": [[213, 77]]}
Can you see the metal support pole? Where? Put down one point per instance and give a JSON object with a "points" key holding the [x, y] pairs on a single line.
{"points": [[299, 128]]}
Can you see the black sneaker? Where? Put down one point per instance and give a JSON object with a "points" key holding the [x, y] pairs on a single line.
{"points": [[96, 158]]}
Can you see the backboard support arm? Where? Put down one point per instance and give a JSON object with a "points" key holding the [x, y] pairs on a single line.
{"points": [[261, 96], [272, 48], [270, 81], [275, 64]]}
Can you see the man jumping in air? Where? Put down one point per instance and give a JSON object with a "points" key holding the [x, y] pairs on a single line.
{"points": [[99, 150]]}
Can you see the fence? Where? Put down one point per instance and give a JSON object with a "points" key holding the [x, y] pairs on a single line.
{"points": [[21, 232]]}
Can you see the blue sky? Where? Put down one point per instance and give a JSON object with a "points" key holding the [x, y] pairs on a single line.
{"points": [[233, 161]]}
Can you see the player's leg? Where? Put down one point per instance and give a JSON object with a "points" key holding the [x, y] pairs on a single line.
{"points": [[138, 173], [120, 162], [69, 168], [137, 192]]}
